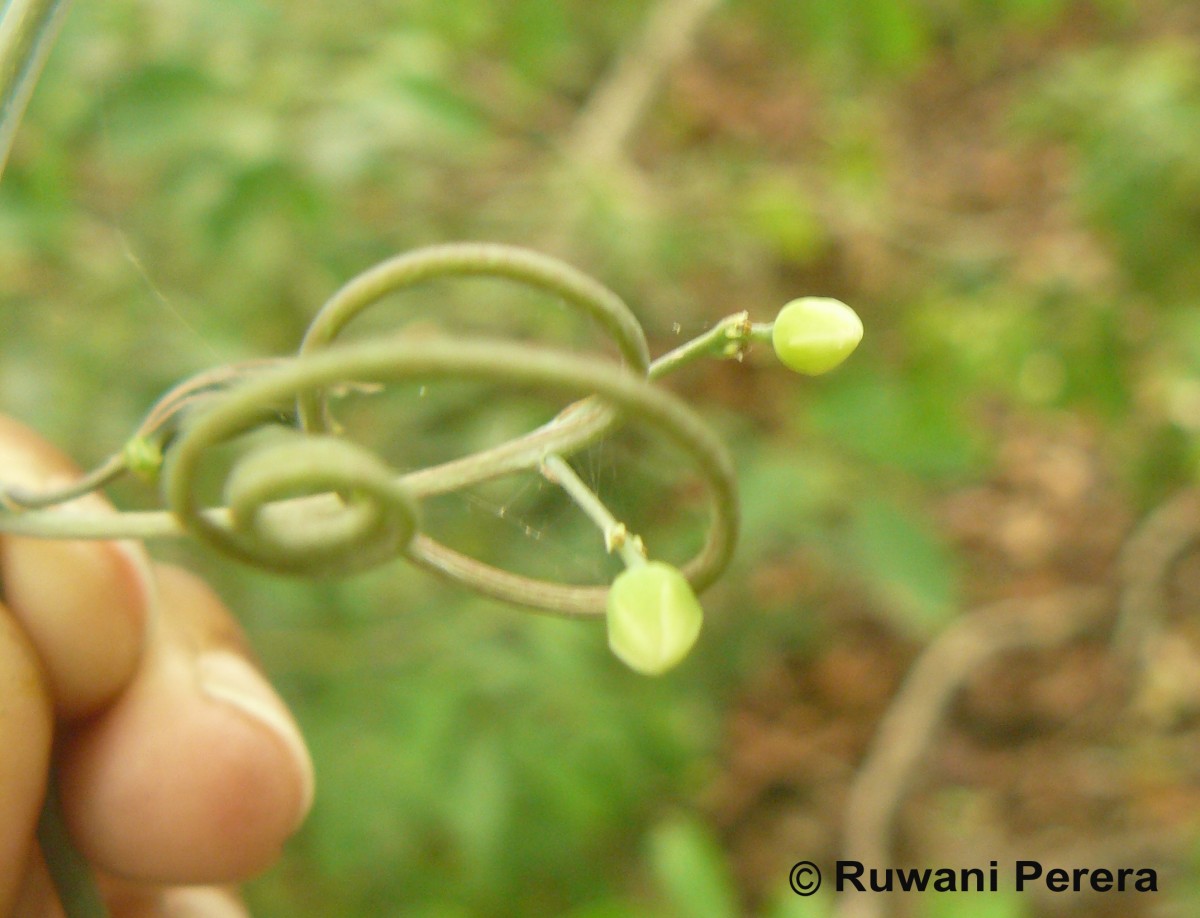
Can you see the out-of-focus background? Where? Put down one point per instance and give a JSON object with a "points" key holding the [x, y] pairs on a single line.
{"points": [[1007, 192]]}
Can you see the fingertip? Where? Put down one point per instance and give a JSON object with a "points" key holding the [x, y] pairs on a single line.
{"points": [[25, 737], [84, 604], [203, 902], [142, 900], [85, 607], [198, 773], [227, 674], [232, 683], [27, 458], [37, 897], [172, 787]]}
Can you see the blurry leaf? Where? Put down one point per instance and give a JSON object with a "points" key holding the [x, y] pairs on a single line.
{"points": [[785, 492], [1097, 361], [538, 37], [904, 561], [895, 34], [1135, 121], [780, 213], [453, 111], [479, 803], [912, 424], [691, 870], [159, 106], [869, 36], [853, 159], [271, 193], [1035, 12]]}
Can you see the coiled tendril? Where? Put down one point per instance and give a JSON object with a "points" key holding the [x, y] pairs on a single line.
{"points": [[373, 518], [623, 391], [320, 504], [397, 360], [317, 503]]}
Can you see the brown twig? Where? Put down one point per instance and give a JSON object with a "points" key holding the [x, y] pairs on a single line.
{"points": [[619, 102], [910, 725], [1145, 567]]}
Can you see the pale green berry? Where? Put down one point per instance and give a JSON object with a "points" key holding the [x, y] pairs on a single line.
{"points": [[653, 617], [814, 334]]}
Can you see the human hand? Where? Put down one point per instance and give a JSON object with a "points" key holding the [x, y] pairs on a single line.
{"points": [[178, 767]]}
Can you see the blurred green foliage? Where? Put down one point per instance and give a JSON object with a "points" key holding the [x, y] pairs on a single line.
{"points": [[194, 178]]}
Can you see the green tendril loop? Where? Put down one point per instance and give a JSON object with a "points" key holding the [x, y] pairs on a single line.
{"points": [[398, 360], [374, 520], [471, 259]]}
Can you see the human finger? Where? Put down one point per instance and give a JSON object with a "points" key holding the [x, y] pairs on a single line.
{"points": [[83, 604], [197, 773], [39, 899], [25, 737]]}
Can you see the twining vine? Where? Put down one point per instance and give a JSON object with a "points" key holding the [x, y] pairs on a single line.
{"points": [[315, 502], [311, 501]]}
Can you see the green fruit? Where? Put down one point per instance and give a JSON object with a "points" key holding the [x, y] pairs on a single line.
{"points": [[813, 334], [653, 617]]}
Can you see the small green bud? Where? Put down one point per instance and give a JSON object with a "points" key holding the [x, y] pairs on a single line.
{"points": [[813, 334], [143, 457], [653, 617]]}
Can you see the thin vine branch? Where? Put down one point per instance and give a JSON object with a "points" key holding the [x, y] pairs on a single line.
{"points": [[28, 29], [909, 726], [619, 102], [617, 537], [222, 404], [488, 361], [1145, 566]]}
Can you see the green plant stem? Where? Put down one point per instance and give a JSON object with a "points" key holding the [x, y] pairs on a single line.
{"points": [[17, 499], [71, 874], [28, 29], [157, 429], [727, 340], [617, 537], [584, 421], [580, 424]]}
